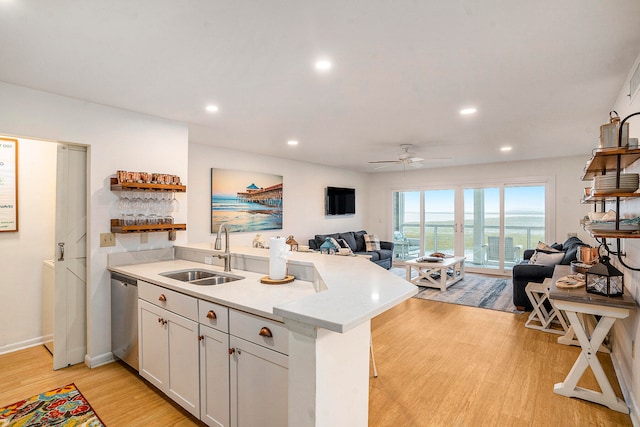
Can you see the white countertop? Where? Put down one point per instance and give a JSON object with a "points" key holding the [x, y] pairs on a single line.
{"points": [[355, 289]]}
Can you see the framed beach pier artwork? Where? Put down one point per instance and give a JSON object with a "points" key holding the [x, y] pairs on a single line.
{"points": [[245, 201]]}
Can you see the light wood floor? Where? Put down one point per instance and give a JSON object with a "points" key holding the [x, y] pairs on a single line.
{"points": [[438, 364]]}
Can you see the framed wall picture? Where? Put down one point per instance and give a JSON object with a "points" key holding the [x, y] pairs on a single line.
{"points": [[245, 201], [8, 184]]}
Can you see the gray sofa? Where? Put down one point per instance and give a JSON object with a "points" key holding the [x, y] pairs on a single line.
{"points": [[355, 239], [524, 272]]}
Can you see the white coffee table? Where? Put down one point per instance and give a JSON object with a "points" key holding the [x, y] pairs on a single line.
{"points": [[426, 269]]}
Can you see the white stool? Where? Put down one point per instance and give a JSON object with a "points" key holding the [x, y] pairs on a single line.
{"points": [[541, 318]]}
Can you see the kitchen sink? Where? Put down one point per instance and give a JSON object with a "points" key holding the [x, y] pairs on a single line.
{"points": [[188, 275], [216, 280], [201, 277]]}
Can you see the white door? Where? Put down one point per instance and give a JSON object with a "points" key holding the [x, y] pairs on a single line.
{"points": [[70, 319]]}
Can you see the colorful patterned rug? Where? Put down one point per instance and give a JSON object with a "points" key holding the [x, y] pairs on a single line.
{"points": [[64, 406], [475, 290]]}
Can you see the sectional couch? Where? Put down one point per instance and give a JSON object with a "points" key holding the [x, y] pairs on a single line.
{"points": [[355, 239]]}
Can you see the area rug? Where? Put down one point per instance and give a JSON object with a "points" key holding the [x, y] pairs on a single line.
{"points": [[64, 406], [475, 290]]}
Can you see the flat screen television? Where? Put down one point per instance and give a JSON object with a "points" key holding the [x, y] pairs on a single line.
{"points": [[340, 201]]}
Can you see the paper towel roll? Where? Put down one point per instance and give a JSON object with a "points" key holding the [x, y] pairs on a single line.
{"points": [[277, 258]]}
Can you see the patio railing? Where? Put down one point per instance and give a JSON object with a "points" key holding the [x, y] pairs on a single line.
{"points": [[440, 237]]}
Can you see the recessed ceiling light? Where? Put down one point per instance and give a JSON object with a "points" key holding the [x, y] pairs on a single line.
{"points": [[292, 142], [323, 65], [505, 148], [467, 111], [212, 108]]}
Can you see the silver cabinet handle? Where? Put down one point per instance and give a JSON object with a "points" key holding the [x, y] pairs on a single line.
{"points": [[61, 246]]}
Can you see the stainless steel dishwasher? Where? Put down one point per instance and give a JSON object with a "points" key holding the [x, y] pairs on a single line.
{"points": [[124, 319]]}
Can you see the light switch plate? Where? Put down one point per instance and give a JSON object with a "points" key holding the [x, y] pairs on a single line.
{"points": [[144, 238], [107, 239]]}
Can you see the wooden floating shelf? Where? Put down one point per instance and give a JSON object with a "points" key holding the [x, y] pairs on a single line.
{"points": [[617, 234], [599, 197], [136, 186], [606, 159], [116, 227]]}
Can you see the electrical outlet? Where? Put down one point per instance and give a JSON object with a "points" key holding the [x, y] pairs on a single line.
{"points": [[144, 238], [107, 239]]}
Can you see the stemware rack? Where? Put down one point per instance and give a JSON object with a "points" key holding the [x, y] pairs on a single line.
{"points": [[119, 228]]}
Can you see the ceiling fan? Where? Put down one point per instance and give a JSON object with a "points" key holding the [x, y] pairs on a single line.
{"points": [[406, 157]]}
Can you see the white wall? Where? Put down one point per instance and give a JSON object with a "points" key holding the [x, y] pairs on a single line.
{"points": [[563, 173], [23, 251], [627, 331], [303, 194], [117, 139]]}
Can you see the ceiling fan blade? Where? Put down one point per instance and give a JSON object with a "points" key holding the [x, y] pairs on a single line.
{"points": [[387, 161], [437, 159], [416, 164], [382, 166], [414, 159]]}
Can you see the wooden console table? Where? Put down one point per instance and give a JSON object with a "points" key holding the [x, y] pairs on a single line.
{"points": [[577, 302]]}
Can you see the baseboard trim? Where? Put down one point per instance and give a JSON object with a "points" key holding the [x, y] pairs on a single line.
{"points": [[625, 387], [10, 348], [102, 359]]}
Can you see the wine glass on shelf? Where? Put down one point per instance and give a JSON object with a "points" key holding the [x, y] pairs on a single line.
{"points": [[175, 204], [166, 209], [151, 208], [123, 206]]}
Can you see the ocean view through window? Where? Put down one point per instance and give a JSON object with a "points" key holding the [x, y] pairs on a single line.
{"points": [[490, 226]]}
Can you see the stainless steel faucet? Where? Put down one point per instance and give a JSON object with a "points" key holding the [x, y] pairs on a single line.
{"points": [[218, 246]]}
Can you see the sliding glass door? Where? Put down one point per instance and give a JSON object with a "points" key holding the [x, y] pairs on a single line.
{"points": [[524, 220], [481, 227], [439, 222], [490, 226], [406, 224]]}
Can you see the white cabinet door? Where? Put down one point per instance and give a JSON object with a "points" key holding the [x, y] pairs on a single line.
{"points": [[259, 385], [214, 377], [184, 378], [153, 349], [169, 355]]}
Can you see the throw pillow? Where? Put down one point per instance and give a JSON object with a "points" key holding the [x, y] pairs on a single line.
{"points": [[344, 246], [543, 246], [372, 242], [546, 258], [359, 238], [335, 243], [350, 239]]}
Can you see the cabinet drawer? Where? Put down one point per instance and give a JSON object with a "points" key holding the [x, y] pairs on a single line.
{"points": [[176, 302], [249, 327], [213, 315]]}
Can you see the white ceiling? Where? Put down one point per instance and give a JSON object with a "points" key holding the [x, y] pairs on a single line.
{"points": [[543, 74]]}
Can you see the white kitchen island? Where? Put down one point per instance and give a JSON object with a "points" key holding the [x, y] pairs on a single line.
{"points": [[327, 310]]}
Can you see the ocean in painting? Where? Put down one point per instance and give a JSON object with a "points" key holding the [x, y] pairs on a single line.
{"points": [[243, 216]]}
